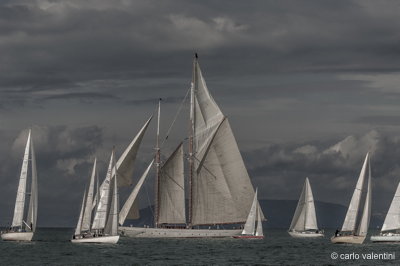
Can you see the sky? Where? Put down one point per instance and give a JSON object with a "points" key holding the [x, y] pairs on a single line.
{"points": [[308, 86]]}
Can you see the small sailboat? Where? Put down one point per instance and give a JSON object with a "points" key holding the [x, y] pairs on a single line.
{"points": [[304, 222], [355, 227], [104, 228], [22, 229], [250, 230], [390, 231]]}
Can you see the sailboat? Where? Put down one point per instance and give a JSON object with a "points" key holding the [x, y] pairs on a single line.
{"points": [[219, 188], [250, 230], [355, 227], [304, 222], [390, 231], [22, 229], [104, 228]]}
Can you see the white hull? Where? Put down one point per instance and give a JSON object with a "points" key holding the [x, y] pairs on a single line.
{"points": [[386, 238], [143, 232], [351, 239], [99, 239], [305, 234], [17, 236]]}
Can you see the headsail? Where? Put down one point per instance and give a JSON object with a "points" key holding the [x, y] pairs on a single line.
{"points": [[392, 220], [311, 217], [20, 200], [259, 231], [352, 212], [172, 191], [250, 224], [79, 224], [87, 215], [124, 213], [125, 163], [220, 185]]}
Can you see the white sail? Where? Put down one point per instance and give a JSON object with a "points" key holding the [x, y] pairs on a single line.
{"points": [[20, 200], [33, 202], [111, 227], [221, 187], [172, 191], [79, 224], [125, 163], [126, 209], [364, 223], [87, 214], [250, 225], [392, 220], [352, 212], [311, 218], [259, 231], [102, 207], [299, 217]]}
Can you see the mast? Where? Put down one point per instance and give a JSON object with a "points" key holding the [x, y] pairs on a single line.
{"points": [[191, 134], [157, 161]]}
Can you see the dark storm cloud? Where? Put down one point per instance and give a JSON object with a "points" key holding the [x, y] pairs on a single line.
{"points": [[333, 168], [303, 73]]}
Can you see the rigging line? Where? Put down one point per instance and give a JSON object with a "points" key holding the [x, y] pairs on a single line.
{"points": [[176, 117], [148, 201]]}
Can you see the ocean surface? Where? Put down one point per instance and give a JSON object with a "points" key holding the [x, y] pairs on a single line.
{"points": [[52, 247]]}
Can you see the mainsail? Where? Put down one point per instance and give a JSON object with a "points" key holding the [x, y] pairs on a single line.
{"points": [[364, 223], [33, 202], [221, 191], [100, 216], [172, 192], [392, 220], [304, 217], [20, 200], [352, 212], [111, 227]]}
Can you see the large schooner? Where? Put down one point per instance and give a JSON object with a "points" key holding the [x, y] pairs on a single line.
{"points": [[355, 225], [23, 229], [219, 189]]}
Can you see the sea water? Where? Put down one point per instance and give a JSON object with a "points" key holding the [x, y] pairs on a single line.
{"points": [[52, 247]]}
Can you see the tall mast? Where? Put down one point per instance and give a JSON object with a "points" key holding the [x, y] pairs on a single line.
{"points": [[191, 135], [157, 162]]}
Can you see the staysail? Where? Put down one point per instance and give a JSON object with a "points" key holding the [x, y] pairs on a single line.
{"points": [[392, 220], [259, 231], [20, 200], [172, 191], [126, 209], [364, 223], [352, 212], [221, 191]]}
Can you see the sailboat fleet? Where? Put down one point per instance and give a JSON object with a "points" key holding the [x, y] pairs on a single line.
{"points": [[220, 195]]}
